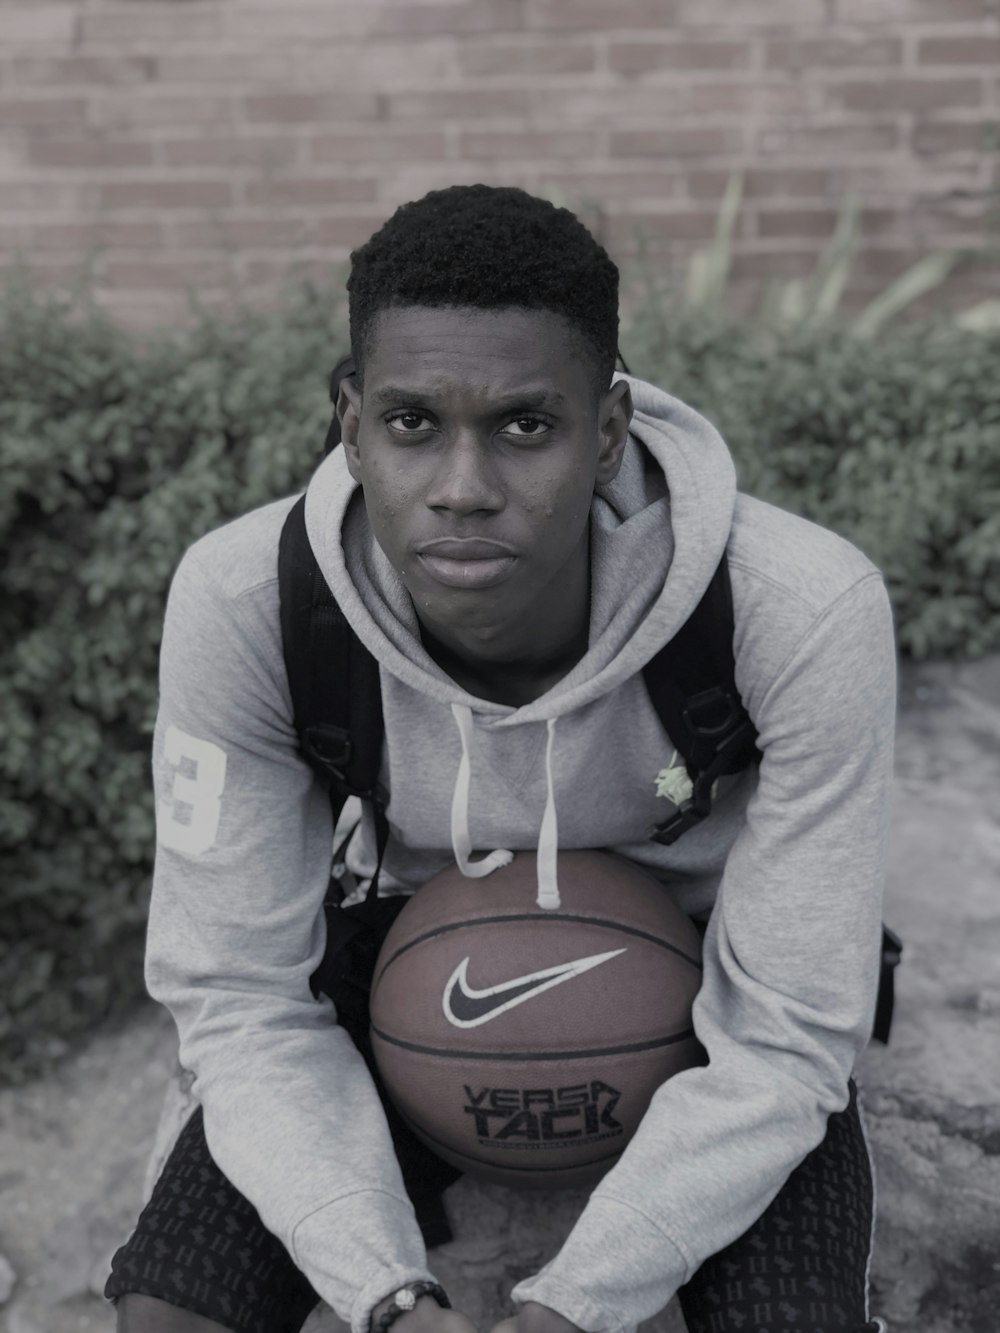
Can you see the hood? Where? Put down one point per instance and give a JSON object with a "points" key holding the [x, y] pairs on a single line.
{"points": [[658, 532]]}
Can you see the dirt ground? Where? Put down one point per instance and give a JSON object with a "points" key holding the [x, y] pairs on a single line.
{"points": [[74, 1146]]}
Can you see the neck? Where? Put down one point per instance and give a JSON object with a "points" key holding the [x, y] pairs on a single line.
{"points": [[517, 663], [512, 682]]}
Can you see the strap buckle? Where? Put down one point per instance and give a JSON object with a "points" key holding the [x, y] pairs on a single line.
{"points": [[329, 749], [726, 759]]}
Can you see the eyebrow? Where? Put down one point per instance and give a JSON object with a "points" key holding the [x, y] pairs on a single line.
{"points": [[531, 399]]}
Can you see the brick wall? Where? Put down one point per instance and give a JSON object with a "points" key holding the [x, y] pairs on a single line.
{"points": [[210, 144]]}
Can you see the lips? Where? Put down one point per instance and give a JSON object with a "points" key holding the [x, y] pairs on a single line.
{"points": [[466, 562]]}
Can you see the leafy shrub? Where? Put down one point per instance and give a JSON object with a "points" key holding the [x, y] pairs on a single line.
{"points": [[116, 454], [894, 443], [114, 457]]}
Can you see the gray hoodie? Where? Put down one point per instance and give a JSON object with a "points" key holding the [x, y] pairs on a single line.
{"points": [[789, 867]]}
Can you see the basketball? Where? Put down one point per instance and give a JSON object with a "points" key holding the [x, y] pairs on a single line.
{"points": [[523, 1045]]}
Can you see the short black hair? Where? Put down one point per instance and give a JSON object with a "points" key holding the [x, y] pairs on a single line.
{"points": [[493, 248]]}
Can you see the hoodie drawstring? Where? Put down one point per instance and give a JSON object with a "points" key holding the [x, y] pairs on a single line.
{"points": [[548, 837], [461, 843]]}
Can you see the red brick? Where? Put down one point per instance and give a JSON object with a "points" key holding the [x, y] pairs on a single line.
{"points": [[60, 274], [525, 144], [164, 194], [40, 196], [969, 217], [910, 11], [701, 141], [89, 154], [231, 152], [694, 226], [124, 110], [303, 108], [385, 145], [905, 94], [242, 233], [832, 52], [100, 235], [979, 50], [39, 25], [830, 139], [421, 20], [641, 57], [284, 269], [75, 71], [723, 14], [149, 22], [753, 97], [42, 111], [797, 222], [542, 56], [820, 221], [235, 67], [385, 65], [347, 231], [953, 137], [762, 182], [458, 104], [291, 21], [611, 185], [784, 263], [282, 191], [166, 274], [564, 15]]}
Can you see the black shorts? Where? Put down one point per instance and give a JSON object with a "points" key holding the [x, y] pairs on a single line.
{"points": [[200, 1245]]}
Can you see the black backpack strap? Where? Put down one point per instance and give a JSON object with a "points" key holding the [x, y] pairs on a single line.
{"points": [[892, 952], [334, 682], [692, 685]]}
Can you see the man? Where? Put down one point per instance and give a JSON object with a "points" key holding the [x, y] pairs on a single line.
{"points": [[513, 532]]}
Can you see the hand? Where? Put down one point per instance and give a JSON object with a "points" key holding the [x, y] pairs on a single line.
{"points": [[425, 1317], [535, 1318]]}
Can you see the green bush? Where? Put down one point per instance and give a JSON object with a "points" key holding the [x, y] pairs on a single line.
{"points": [[894, 443], [115, 456], [117, 453]]}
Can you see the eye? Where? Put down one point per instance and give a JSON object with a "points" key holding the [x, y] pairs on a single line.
{"points": [[408, 422], [526, 427]]}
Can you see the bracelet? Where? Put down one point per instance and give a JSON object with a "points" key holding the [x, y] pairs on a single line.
{"points": [[406, 1298]]}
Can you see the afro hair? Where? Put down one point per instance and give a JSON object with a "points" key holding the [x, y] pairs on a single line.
{"points": [[492, 248]]}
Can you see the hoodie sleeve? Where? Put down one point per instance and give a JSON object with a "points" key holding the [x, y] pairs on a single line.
{"points": [[235, 931], [786, 1005]]}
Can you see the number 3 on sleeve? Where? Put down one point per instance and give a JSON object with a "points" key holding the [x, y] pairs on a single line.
{"points": [[188, 820]]}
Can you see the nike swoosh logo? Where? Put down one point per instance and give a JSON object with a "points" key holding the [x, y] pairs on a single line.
{"points": [[466, 1007]]}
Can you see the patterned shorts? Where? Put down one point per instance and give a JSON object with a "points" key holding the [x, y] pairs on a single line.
{"points": [[801, 1268]]}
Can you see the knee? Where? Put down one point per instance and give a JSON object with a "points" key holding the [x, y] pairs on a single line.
{"points": [[146, 1314]]}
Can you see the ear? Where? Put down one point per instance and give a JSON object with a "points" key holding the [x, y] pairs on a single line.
{"points": [[349, 412], [614, 414]]}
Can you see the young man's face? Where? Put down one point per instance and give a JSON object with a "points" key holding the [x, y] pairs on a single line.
{"points": [[478, 443]]}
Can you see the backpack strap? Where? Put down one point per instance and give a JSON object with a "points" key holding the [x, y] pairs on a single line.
{"points": [[334, 682], [692, 685]]}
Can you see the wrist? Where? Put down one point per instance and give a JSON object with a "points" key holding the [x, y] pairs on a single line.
{"points": [[403, 1301]]}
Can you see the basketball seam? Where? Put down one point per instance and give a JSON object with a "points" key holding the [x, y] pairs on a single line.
{"points": [[536, 920], [631, 1048]]}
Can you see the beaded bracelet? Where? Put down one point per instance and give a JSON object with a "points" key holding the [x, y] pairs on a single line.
{"points": [[406, 1298]]}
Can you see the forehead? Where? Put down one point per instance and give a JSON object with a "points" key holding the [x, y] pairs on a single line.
{"points": [[459, 347]]}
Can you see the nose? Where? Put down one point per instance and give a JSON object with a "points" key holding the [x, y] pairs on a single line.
{"points": [[465, 480]]}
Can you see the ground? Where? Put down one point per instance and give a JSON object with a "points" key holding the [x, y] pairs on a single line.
{"points": [[74, 1146]]}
